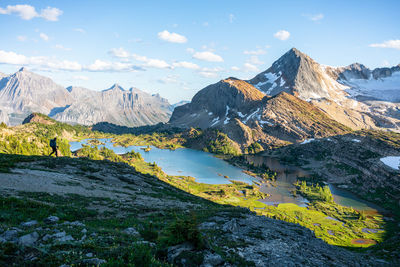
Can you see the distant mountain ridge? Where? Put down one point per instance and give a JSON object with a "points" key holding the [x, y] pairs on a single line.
{"points": [[25, 92], [295, 99]]}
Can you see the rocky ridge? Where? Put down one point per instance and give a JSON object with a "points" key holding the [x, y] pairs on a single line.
{"points": [[25, 92]]}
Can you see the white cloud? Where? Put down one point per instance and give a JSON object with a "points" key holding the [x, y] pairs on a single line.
{"points": [[255, 52], [250, 67], [152, 62], [44, 62], [22, 38], [61, 47], [28, 12], [169, 79], [64, 65], [314, 17], [157, 63], [119, 52], [205, 24], [172, 37], [186, 65], [81, 77], [388, 44], [231, 18], [234, 68], [254, 60], [44, 36], [282, 35], [208, 56], [80, 30], [51, 13], [12, 58], [100, 65], [208, 74]]}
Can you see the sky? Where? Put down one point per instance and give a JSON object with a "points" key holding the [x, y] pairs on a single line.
{"points": [[176, 48]]}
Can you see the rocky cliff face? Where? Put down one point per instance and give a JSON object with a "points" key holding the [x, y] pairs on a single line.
{"points": [[25, 92]]}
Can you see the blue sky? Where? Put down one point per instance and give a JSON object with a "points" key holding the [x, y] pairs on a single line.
{"points": [[176, 48]]}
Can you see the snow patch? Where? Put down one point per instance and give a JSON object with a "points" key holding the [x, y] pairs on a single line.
{"points": [[392, 161], [266, 122], [270, 78], [241, 114], [251, 115], [387, 89], [210, 113], [307, 141], [356, 140], [214, 121], [226, 121]]}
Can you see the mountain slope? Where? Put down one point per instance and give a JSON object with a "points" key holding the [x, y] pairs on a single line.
{"points": [[246, 115], [352, 95], [25, 92]]}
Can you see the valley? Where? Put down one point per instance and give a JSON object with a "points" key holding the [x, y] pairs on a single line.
{"points": [[83, 177]]}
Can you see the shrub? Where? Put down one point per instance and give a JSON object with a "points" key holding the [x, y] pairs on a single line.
{"points": [[184, 230]]}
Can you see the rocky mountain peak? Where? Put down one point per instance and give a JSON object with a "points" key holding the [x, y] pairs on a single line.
{"points": [[115, 87], [294, 73], [23, 69]]}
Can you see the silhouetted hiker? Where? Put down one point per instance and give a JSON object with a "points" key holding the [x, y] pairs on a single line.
{"points": [[53, 145]]}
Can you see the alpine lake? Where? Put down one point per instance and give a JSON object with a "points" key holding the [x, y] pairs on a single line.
{"points": [[328, 222]]}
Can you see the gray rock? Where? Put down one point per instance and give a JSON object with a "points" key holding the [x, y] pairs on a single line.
{"points": [[62, 237], [75, 223], [2, 240], [175, 251], [29, 223], [94, 261], [230, 226], [212, 259], [66, 238], [207, 225], [59, 234], [46, 237], [51, 220], [84, 231], [89, 255], [10, 235], [131, 231], [28, 239]]}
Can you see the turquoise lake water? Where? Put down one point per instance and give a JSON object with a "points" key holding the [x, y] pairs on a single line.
{"points": [[206, 168]]}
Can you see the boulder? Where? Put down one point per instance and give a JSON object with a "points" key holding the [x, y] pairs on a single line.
{"points": [[51, 220], [28, 239], [29, 223]]}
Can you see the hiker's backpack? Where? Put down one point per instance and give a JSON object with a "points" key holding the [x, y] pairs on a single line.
{"points": [[52, 143]]}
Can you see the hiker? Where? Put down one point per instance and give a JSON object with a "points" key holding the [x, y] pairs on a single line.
{"points": [[53, 145]]}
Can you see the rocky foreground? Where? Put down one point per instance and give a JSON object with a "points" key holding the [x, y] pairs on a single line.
{"points": [[74, 211]]}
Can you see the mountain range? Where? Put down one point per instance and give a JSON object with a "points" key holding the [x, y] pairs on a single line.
{"points": [[25, 92], [295, 99]]}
